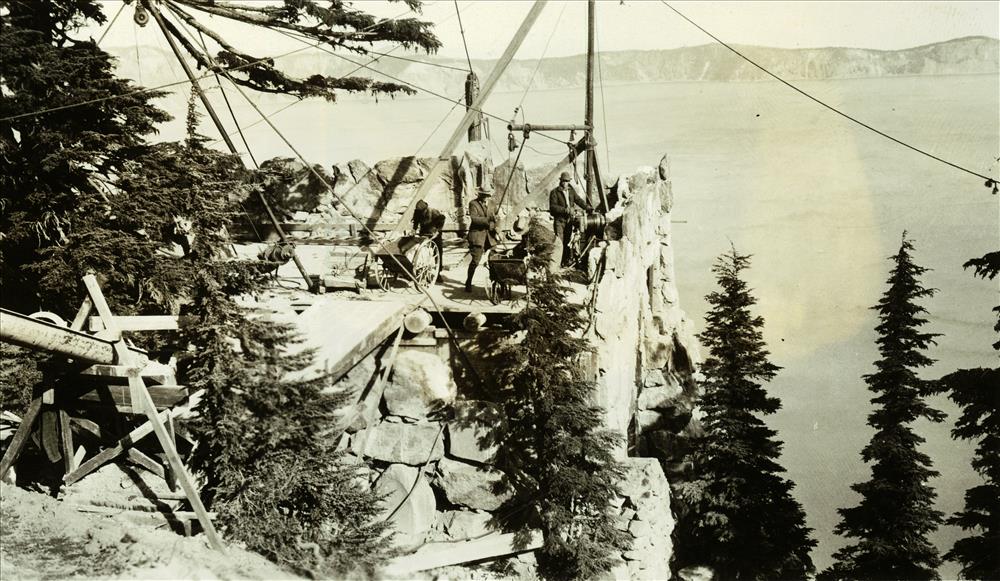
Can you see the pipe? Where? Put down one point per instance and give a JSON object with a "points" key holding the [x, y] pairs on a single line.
{"points": [[22, 330], [547, 127]]}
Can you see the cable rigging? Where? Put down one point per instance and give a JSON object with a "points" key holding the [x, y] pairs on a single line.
{"points": [[405, 82], [370, 233], [990, 182], [110, 24], [184, 81], [461, 29]]}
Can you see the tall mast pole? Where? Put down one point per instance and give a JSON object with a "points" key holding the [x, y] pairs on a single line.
{"points": [[222, 131], [588, 112]]}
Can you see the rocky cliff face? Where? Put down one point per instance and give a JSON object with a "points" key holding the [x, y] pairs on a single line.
{"points": [[436, 470], [710, 62]]}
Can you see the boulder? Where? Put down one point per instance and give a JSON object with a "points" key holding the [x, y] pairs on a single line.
{"points": [[400, 170], [472, 435], [411, 444], [416, 513], [654, 378], [421, 383], [464, 524], [470, 486], [659, 398]]}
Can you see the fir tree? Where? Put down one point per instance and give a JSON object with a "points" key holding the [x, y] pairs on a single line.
{"points": [[82, 189], [267, 441], [740, 518], [555, 453], [977, 393], [896, 513], [333, 25]]}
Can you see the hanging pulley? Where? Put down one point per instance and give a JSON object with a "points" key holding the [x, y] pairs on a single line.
{"points": [[141, 16]]}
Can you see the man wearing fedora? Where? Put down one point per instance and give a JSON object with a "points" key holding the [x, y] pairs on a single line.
{"points": [[482, 231], [563, 201]]}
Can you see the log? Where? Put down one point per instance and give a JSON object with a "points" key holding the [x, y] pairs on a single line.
{"points": [[24, 331], [417, 321], [434, 555]]}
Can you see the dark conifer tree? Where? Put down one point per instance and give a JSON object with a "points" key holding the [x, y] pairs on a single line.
{"points": [[82, 189], [557, 457], [896, 513], [740, 517], [977, 393]]}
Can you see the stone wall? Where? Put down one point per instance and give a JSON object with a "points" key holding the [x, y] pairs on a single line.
{"points": [[376, 194], [646, 352], [435, 468]]}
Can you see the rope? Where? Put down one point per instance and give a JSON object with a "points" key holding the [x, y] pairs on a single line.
{"points": [[362, 223], [462, 30], [232, 114], [419, 62], [138, 63], [989, 181], [513, 170], [538, 64], [371, 234], [405, 82], [110, 24], [604, 113]]}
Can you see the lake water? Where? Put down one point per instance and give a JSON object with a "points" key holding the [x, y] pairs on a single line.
{"points": [[818, 201]]}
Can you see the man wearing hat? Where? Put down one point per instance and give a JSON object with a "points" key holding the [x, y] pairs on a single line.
{"points": [[429, 222], [482, 231], [562, 202]]}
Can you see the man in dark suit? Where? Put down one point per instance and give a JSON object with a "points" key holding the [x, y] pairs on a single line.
{"points": [[429, 222], [563, 201], [482, 231]]}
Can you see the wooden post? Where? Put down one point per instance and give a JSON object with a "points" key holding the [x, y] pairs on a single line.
{"points": [[140, 395], [474, 110], [20, 437], [471, 92], [588, 111]]}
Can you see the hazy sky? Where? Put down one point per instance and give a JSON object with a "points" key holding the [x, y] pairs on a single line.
{"points": [[648, 24]]}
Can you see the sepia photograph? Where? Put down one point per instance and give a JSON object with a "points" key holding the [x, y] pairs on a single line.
{"points": [[499, 289]]}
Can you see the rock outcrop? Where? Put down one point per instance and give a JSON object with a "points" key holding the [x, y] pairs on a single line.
{"points": [[431, 447]]}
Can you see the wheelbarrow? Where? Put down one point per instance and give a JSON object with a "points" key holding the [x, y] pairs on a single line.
{"points": [[505, 271], [401, 258]]}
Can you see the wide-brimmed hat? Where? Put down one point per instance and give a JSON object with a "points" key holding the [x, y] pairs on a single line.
{"points": [[565, 177], [484, 191]]}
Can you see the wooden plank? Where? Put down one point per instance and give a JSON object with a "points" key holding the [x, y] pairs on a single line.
{"points": [[20, 437], [103, 310], [434, 555], [50, 434], [141, 459], [122, 371], [144, 509], [164, 396], [176, 464], [344, 332], [66, 439], [87, 425], [114, 451], [81, 315], [143, 323]]}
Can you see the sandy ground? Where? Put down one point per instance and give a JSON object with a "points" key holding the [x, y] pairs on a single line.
{"points": [[43, 538]]}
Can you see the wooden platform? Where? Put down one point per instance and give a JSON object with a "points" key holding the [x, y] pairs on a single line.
{"points": [[344, 331]]}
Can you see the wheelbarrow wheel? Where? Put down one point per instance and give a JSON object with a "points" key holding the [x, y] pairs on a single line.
{"points": [[494, 290], [426, 264], [380, 275]]}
